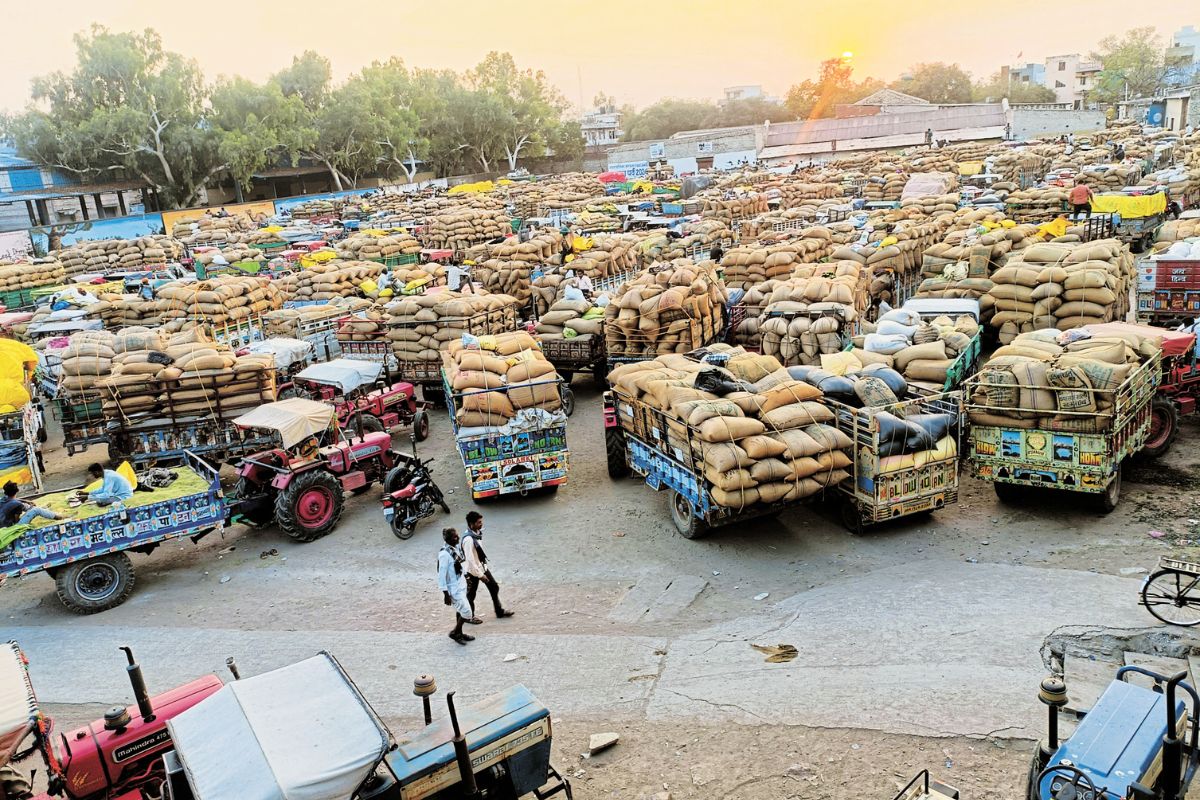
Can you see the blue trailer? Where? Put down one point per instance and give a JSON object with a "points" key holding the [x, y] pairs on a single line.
{"points": [[88, 556]]}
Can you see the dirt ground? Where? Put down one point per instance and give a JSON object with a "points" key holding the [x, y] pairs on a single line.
{"points": [[574, 565]]}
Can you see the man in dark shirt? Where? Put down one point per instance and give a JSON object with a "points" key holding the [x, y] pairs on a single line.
{"points": [[18, 512]]}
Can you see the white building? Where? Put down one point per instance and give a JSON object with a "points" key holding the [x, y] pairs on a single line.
{"points": [[1070, 78], [1183, 57], [601, 128], [750, 92]]}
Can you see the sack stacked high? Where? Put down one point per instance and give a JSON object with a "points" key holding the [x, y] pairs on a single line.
{"points": [[420, 327], [107, 255], [500, 377], [218, 301], [747, 266], [15, 275], [671, 308], [368, 247], [329, 280]]}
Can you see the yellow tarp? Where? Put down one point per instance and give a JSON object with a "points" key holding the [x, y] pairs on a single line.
{"points": [[473, 188], [1130, 207], [968, 168], [1054, 229]]}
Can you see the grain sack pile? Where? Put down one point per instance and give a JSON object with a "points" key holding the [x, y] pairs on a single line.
{"points": [[1061, 285], [316, 208], [210, 255], [1057, 381], [218, 301], [933, 204], [415, 279], [1037, 204], [884, 188], [611, 254], [1020, 167], [107, 255], [696, 237], [367, 247], [549, 288], [808, 315], [291, 322], [746, 266], [420, 327], [597, 222], [1174, 230], [261, 236], [984, 247], [1100, 177], [182, 375], [86, 360], [505, 268], [501, 378], [792, 193], [758, 435], [459, 229], [571, 319], [934, 191], [779, 225], [128, 310], [921, 350], [16, 275], [1181, 181], [729, 209], [534, 199], [212, 230], [673, 307], [329, 280]]}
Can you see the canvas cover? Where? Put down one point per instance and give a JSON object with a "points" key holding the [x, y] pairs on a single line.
{"points": [[347, 374], [18, 706], [285, 351], [294, 419], [1174, 343], [302, 732]]}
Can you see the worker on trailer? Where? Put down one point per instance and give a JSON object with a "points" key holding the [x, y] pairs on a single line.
{"points": [[1081, 199], [114, 488], [146, 291], [16, 511]]}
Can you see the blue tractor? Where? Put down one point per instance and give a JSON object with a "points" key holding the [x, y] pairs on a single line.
{"points": [[1136, 742]]}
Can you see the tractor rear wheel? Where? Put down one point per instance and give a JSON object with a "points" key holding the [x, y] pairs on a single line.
{"points": [[310, 506], [420, 426], [362, 424], [1164, 427], [614, 448], [95, 584]]}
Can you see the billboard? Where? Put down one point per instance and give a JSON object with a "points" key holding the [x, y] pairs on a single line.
{"points": [[632, 169], [15, 245], [69, 233], [254, 210]]}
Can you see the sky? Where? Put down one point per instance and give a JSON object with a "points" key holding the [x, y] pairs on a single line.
{"points": [[635, 50]]}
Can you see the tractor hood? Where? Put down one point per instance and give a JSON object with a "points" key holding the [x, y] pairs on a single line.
{"points": [[18, 705], [302, 732], [294, 419], [347, 374]]}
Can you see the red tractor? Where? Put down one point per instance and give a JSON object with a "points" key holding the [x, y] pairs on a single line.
{"points": [[301, 485], [119, 757], [365, 402]]}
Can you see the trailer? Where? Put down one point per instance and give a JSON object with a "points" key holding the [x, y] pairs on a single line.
{"points": [[885, 486], [499, 462], [87, 554], [1134, 218], [584, 353], [1070, 450], [81, 415]]}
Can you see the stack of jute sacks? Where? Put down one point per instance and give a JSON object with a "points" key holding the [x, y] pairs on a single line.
{"points": [[597, 222], [812, 313], [208, 229], [1014, 165], [259, 236], [128, 310], [746, 266], [920, 350], [1058, 381], [419, 327], [1061, 285], [794, 193], [532, 199], [884, 186], [960, 265], [231, 253], [370, 248], [148, 372], [506, 268], [610, 254], [466, 226], [118, 254], [549, 288], [329, 280], [702, 235], [571, 319], [757, 434], [673, 307], [316, 208], [15, 275], [499, 377], [729, 209], [1036, 204], [1177, 229], [290, 322], [217, 301]]}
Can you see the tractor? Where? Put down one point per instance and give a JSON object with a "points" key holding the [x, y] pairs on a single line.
{"points": [[1136, 743], [364, 401], [118, 757], [1178, 390], [300, 485]]}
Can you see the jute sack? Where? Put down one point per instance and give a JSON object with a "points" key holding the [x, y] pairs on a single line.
{"points": [[729, 429]]}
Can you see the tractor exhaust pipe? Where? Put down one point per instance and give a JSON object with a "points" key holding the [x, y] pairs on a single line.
{"points": [[1172, 746], [134, 670], [461, 754]]}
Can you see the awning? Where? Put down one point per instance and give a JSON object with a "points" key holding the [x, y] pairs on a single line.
{"points": [[347, 374], [302, 732], [294, 419], [18, 706]]}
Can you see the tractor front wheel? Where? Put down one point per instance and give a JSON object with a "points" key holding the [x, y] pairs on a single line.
{"points": [[1164, 427], [614, 449], [95, 584], [420, 426], [310, 506]]}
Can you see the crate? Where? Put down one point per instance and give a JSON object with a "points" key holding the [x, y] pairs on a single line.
{"points": [[400, 260], [271, 247]]}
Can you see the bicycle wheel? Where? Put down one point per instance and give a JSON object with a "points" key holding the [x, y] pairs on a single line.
{"points": [[1168, 596]]}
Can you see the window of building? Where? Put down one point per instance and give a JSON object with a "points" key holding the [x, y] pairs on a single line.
{"points": [[1062, 66], [1059, 85]]}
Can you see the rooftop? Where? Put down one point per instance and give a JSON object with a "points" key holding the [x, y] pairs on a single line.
{"points": [[890, 97]]}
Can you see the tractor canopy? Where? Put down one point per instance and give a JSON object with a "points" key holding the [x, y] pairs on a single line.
{"points": [[347, 374], [301, 732], [295, 419], [18, 705], [283, 350]]}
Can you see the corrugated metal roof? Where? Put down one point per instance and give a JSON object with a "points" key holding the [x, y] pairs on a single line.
{"points": [[79, 190], [10, 160], [940, 119]]}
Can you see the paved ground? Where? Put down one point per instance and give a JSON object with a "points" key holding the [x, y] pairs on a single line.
{"points": [[917, 643]]}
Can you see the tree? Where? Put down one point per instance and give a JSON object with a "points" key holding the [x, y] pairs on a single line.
{"points": [[938, 83], [390, 99], [129, 107], [308, 78], [1016, 91], [527, 108], [260, 126], [1132, 65], [604, 103], [834, 86], [750, 111], [566, 142], [667, 117]]}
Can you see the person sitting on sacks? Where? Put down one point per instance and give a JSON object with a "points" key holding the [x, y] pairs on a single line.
{"points": [[114, 489]]}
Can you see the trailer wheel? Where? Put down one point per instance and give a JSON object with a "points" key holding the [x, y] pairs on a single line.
{"points": [[600, 374], [420, 426], [95, 584], [568, 401], [1164, 427], [614, 448], [310, 506], [852, 519], [684, 517], [566, 375], [1112, 493]]}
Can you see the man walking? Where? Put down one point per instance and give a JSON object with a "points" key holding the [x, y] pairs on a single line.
{"points": [[476, 562], [452, 584]]}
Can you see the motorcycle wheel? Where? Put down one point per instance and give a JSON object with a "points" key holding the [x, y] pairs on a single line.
{"points": [[401, 530]]}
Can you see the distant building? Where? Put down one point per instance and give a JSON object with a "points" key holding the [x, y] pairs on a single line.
{"points": [[1182, 58], [751, 92], [601, 128], [31, 194], [884, 101], [1030, 74], [1070, 78], [1175, 109]]}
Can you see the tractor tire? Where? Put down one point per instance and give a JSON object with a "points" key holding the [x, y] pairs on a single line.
{"points": [[42, 435], [14, 785], [1112, 493], [682, 514], [614, 448], [243, 490], [362, 424], [420, 426], [310, 506], [1164, 427], [288, 392], [95, 584]]}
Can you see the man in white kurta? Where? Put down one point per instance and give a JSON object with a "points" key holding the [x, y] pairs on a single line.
{"points": [[453, 583]]}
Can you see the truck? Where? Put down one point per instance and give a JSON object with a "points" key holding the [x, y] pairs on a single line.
{"points": [[883, 487], [499, 462], [578, 354], [1132, 218], [1074, 451], [1168, 290]]}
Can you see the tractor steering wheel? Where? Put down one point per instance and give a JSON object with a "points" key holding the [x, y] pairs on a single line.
{"points": [[1080, 777]]}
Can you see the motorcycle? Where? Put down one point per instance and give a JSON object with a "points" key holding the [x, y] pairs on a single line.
{"points": [[410, 495]]}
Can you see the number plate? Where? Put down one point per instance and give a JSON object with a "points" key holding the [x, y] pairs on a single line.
{"points": [[388, 513]]}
